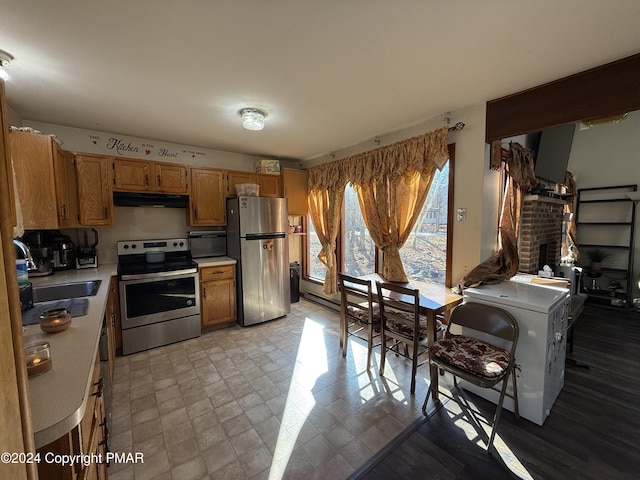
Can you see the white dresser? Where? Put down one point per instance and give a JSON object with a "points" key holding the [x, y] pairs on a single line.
{"points": [[542, 315]]}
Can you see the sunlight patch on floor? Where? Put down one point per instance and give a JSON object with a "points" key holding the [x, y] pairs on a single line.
{"points": [[469, 421], [311, 363]]}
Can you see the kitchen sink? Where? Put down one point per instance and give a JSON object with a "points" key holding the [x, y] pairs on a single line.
{"points": [[46, 293]]}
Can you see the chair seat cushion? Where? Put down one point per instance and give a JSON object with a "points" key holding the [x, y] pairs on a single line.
{"points": [[406, 330], [472, 355], [362, 314]]}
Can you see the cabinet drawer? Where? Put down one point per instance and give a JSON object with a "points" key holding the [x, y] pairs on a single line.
{"points": [[217, 273]]}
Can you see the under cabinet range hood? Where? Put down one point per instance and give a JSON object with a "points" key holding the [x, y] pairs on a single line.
{"points": [[135, 199]]}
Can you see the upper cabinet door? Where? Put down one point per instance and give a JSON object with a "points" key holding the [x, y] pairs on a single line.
{"points": [[66, 187], [171, 178], [235, 178], [269, 184], [94, 190], [32, 159], [294, 188], [133, 175], [206, 202]]}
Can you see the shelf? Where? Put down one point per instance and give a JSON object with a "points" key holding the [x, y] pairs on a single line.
{"points": [[601, 245], [606, 224], [607, 200], [620, 212]]}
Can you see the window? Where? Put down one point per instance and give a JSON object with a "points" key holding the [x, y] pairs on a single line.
{"points": [[426, 253], [359, 252], [316, 268]]}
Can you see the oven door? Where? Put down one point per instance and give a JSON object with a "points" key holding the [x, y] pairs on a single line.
{"points": [[149, 300]]}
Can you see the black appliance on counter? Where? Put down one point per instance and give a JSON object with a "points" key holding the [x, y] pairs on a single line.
{"points": [[159, 293], [64, 253], [41, 252], [87, 253]]}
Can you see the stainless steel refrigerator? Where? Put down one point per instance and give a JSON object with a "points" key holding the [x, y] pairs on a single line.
{"points": [[257, 239]]}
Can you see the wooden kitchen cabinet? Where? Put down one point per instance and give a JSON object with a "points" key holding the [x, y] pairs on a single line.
{"points": [[269, 184], [87, 438], [113, 325], [45, 181], [234, 178], [295, 190], [131, 175], [94, 190], [171, 178], [66, 188], [218, 295], [206, 201]]}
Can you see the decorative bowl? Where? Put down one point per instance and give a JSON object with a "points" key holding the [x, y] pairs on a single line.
{"points": [[55, 320], [38, 358]]}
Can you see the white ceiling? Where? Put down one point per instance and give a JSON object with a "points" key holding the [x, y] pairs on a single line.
{"points": [[330, 73]]}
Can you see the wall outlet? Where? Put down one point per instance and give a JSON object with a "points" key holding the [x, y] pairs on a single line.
{"points": [[461, 214]]}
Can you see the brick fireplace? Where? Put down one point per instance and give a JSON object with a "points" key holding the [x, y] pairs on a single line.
{"points": [[540, 240]]}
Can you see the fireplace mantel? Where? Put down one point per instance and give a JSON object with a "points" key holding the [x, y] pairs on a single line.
{"points": [[544, 198]]}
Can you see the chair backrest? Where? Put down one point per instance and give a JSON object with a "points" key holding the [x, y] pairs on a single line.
{"points": [[399, 303], [354, 292], [487, 319]]}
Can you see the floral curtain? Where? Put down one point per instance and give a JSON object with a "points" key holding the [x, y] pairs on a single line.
{"points": [[326, 195], [392, 183], [505, 262]]}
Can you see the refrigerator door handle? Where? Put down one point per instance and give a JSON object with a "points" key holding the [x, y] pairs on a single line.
{"points": [[264, 236]]}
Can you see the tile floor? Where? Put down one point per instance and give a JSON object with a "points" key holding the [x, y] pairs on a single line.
{"points": [[271, 401]]}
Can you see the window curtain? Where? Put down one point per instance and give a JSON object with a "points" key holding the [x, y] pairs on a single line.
{"points": [[505, 262], [392, 191], [392, 183], [326, 196]]}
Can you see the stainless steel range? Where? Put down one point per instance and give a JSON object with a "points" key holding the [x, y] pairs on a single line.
{"points": [[159, 293]]}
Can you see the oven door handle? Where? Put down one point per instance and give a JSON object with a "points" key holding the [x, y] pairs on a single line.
{"points": [[144, 276]]}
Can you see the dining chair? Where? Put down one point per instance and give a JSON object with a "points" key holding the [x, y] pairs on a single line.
{"points": [[482, 352], [402, 325], [359, 314]]}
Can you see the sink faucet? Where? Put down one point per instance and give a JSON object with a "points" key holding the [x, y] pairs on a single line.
{"points": [[26, 253]]}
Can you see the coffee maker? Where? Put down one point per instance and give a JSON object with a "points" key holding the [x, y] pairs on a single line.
{"points": [[41, 252], [64, 254]]}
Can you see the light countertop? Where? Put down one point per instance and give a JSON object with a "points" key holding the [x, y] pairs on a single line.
{"points": [[214, 261], [59, 397]]}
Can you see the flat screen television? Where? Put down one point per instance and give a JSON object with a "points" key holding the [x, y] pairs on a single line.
{"points": [[553, 152]]}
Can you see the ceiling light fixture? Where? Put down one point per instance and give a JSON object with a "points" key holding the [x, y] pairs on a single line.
{"points": [[5, 60], [252, 118]]}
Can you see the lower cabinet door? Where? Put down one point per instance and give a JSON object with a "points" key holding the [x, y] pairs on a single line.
{"points": [[218, 302]]}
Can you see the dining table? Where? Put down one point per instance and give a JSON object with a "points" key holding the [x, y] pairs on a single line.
{"points": [[435, 299]]}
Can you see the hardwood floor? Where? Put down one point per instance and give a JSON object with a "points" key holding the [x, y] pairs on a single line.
{"points": [[593, 431]]}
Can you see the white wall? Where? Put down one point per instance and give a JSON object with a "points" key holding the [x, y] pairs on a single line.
{"points": [[609, 155]]}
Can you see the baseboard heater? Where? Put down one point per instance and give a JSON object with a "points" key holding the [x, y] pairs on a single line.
{"points": [[312, 297]]}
